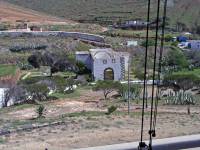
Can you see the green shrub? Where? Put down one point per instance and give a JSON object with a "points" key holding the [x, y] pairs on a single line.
{"points": [[88, 78], [175, 43], [82, 69], [111, 109], [168, 38], [150, 43], [38, 92], [176, 58], [40, 111], [23, 48]]}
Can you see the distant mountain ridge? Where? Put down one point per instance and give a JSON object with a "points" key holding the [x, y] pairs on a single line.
{"points": [[185, 12]]}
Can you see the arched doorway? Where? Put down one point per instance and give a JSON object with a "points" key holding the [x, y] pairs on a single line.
{"points": [[108, 74]]}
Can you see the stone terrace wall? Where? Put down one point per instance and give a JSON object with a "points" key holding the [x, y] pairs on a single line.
{"points": [[75, 35]]}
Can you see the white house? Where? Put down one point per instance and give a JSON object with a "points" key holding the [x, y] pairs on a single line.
{"points": [[194, 45], [131, 43], [105, 64]]}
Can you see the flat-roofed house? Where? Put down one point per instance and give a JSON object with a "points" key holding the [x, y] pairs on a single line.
{"points": [[105, 64]]}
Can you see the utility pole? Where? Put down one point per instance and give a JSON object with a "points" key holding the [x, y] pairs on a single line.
{"points": [[129, 85], [146, 92]]}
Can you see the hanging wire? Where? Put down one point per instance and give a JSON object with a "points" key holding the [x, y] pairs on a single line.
{"points": [[151, 132], [142, 144], [160, 64]]}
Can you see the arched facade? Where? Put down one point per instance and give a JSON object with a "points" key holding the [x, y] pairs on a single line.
{"points": [[105, 64]]}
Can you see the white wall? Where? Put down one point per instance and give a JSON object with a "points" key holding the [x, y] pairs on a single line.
{"points": [[195, 45], [2, 96], [2, 90]]}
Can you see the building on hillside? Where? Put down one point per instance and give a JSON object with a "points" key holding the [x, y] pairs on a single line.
{"points": [[35, 28], [105, 64], [194, 45], [131, 43], [133, 24], [183, 45]]}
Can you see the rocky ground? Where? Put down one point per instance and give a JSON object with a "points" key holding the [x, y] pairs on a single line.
{"points": [[85, 123]]}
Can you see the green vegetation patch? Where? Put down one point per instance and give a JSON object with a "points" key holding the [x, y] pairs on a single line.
{"points": [[128, 33], [195, 72], [75, 94], [67, 74], [83, 47], [185, 77], [2, 140], [193, 75], [6, 70]]}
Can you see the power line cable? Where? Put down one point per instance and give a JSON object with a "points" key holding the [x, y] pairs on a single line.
{"points": [[160, 64], [151, 132], [143, 144]]}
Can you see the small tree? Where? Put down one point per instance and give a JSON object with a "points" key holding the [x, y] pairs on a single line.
{"points": [[37, 92], [82, 69], [175, 59], [107, 87], [64, 85], [40, 111], [53, 60], [70, 85]]}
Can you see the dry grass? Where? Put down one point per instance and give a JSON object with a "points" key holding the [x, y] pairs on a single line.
{"points": [[87, 125]]}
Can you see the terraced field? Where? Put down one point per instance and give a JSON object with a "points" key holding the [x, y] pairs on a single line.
{"points": [[6, 70]]}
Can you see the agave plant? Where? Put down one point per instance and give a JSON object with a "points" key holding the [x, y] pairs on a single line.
{"points": [[134, 94], [180, 98]]}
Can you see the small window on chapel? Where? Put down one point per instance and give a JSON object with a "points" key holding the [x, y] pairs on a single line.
{"points": [[113, 61], [104, 61]]}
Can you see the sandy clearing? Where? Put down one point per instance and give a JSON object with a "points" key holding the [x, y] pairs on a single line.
{"points": [[83, 132]]}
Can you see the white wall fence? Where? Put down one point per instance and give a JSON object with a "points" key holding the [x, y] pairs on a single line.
{"points": [[75, 35]]}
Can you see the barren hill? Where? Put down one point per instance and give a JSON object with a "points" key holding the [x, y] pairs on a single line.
{"points": [[12, 13]]}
